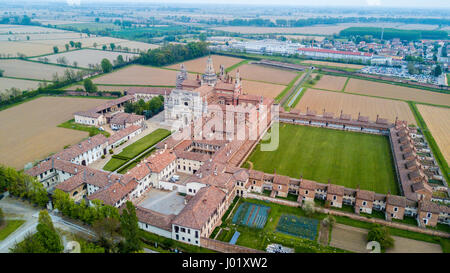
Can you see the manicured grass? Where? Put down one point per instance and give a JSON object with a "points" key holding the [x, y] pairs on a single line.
{"points": [[92, 130], [9, 227], [134, 149], [144, 143], [114, 164], [350, 159]]}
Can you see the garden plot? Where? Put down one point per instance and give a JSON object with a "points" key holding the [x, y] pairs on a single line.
{"points": [[85, 57], [199, 65], [298, 226], [264, 74], [313, 62], [251, 215], [30, 70]]}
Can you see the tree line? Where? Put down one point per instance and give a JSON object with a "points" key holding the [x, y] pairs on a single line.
{"points": [[173, 53], [149, 109]]}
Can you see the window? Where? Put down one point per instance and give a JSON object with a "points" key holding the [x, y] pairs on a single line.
{"points": [[429, 215], [306, 192], [364, 203], [334, 197], [395, 209], [196, 234]]}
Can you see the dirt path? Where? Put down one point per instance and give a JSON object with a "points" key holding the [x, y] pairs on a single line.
{"points": [[323, 234]]}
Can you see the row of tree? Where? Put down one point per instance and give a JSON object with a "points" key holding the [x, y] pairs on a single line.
{"points": [[22, 185], [149, 109], [173, 53]]}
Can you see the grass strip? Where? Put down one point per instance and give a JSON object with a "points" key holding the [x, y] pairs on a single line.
{"points": [[92, 130]]}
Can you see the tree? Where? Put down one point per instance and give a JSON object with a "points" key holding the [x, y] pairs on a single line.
{"points": [[381, 235], [106, 65], [308, 207], [104, 47], [130, 229], [107, 231], [89, 86], [329, 220], [72, 43], [55, 49], [437, 71], [47, 234], [1, 72], [67, 47], [202, 37], [112, 46], [30, 244], [120, 60]]}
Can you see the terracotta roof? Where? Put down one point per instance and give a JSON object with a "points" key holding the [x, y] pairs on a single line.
{"points": [[148, 90], [124, 118], [200, 208], [365, 195], [140, 171], [395, 200], [335, 189], [428, 206], [80, 148], [123, 133], [321, 50], [154, 218], [421, 186], [160, 160], [254, 174], [192, 156], [60, 165], [281, 179], [114, 192], [308, 184], [88, 114]]}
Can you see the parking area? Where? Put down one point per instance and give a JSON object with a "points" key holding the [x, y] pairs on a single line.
{"points": [[165, 202]]}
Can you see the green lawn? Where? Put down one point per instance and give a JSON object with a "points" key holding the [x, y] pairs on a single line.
{"points": [[346, 158], [136, 148], [10, 227], [92, 130], [144, 143]]}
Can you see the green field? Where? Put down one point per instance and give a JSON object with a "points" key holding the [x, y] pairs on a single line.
{"points": [[135, 149], [346, 158], [9, 227]]}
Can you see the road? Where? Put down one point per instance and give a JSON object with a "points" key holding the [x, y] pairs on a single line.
{"points": [[16, 209]]}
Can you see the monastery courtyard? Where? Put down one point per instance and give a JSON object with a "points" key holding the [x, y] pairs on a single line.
{"points": [[164, 202], [350, 159]]}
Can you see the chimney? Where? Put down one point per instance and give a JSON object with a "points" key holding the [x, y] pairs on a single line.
{"points": [[53, 163], [76, 170]]}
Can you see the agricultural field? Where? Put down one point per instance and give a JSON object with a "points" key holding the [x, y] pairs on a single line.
{"points": [[199, 65], [438, 121], [22, 29], [386, 90], [13, 49], [30, 70], [29, 130], [330, 82], [320, 154], [267, 90], [85, 57], [23, 85], [111, 88], [140, 75], [353, 104], [261, 73], [136, 46], [303, 37], [319, 30], [313, 62]]}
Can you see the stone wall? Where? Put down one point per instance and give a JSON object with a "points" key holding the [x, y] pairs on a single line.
{"points": [[226, 247]]}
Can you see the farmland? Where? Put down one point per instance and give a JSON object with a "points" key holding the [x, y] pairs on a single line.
{"points": [[438, 121], [267, 90], [330, 83], [7, 83], [353, 104], [320, 30], [85, 57], [139, 75], [347, 158], [29, 130], [354, 66], [199, 65], [30, 70], [386, 90], [264, 74]]}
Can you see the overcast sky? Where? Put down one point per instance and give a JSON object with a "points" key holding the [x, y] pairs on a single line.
{"points": [[375, 3]]}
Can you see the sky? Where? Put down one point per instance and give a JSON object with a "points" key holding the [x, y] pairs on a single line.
{"points": [[367, 3]]}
